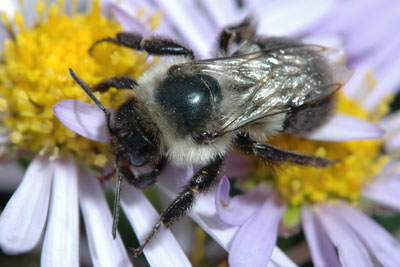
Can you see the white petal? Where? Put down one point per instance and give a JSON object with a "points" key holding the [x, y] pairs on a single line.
{"points": [[322, 251], [83, 118], [61, 241], [350, 249], [9, 7], [104, 250], [23, 219], [223, 12], [343, 127], [191, 23], [163, 250]]}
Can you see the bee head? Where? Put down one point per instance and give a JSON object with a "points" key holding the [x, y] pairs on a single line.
{"points": [[132, 136]]}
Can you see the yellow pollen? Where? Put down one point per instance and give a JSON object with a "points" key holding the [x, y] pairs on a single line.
{"points": [[34, 77], [356, 163]]}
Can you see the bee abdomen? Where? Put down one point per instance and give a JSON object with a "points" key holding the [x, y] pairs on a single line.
{"points": [[309, 116]]}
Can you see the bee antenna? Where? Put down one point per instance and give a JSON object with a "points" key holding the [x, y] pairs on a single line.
{"points": [[117, 200], [87, 90]]}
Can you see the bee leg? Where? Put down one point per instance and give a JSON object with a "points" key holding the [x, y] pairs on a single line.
{"points": [[201, 182], [119, 82], [142, 181], [276, 154], [236, 33], [153, 45]]}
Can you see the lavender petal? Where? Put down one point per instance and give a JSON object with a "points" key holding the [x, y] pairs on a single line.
{"points": [[85, 119], [323, 253], [384, 246], [237, 210], [255, 240], [350, 249], [343, 127]]}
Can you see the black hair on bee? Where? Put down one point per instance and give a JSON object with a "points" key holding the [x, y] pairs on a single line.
{"points": [[193, 111]]}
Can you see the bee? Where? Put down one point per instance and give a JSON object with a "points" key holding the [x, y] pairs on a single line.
{"points": [[190, 111]]}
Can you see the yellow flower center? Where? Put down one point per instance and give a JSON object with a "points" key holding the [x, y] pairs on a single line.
{"points": [[357, 163], [34, 76]]}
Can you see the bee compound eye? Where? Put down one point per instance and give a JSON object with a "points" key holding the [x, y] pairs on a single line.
{"points": [[189, 100]]}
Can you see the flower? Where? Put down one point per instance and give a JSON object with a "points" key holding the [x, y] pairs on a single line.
{"points": [[63, 173]]}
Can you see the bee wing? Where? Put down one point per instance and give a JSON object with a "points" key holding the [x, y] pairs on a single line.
{"points": [[269, 82]]}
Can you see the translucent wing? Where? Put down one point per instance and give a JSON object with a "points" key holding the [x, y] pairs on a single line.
{"points": [[269, 82]]}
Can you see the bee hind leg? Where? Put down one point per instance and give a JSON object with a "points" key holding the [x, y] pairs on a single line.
{"points": [[236, 34], [154, 45], [200, 183], [276, 154]]}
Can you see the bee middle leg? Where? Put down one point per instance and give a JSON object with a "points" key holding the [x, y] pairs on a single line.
{"points": [[276, 154], [200, 183], [154, 45]]}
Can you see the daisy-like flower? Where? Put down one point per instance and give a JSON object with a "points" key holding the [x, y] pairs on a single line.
{"points": [[247, 225], [63, 175]]}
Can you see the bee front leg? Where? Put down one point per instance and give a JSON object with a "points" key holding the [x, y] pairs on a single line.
{"points": [[201, 182], [276, 154], [119, 82], [142, 181]]}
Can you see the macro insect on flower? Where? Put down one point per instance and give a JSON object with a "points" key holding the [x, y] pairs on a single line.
{"points": [[194, 111]]}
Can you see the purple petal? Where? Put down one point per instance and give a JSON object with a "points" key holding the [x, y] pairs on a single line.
{"points": [[323, 253], [85, 119], [237, 210], [205, 215], [23, 218], [350, 249], [163, 250], [386, 192], [255, 240], [236, 165], [385, 247], [104, 250], [128, 21], [343, 127], [289, 17], [63, 217]]}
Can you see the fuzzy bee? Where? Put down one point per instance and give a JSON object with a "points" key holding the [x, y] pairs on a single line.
{"points": [[191, 111]]}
